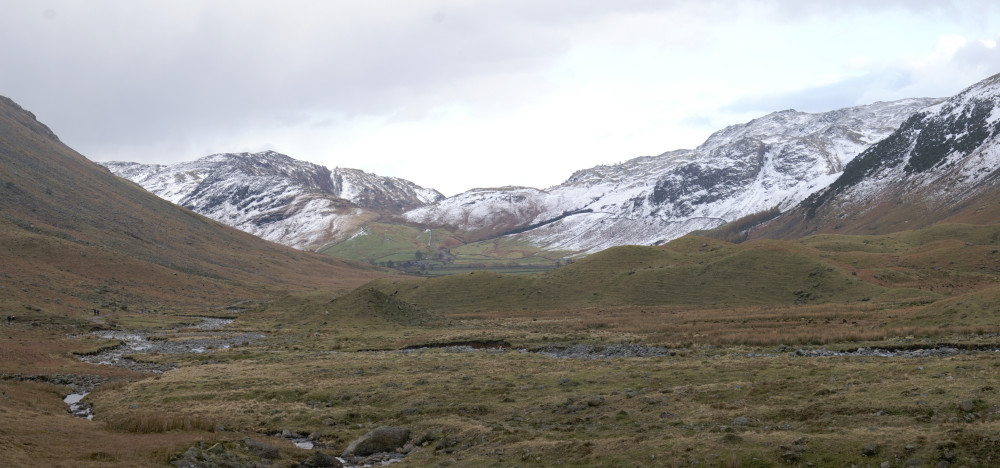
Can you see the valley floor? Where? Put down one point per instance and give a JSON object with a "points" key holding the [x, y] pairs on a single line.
{"points": [[601, 388]]}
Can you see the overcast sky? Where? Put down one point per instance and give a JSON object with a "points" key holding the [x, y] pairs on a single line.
{"points": [[454, 95]]}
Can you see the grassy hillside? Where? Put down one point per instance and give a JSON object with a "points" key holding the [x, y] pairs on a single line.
{"points": [[702, 272], [77, 238]]}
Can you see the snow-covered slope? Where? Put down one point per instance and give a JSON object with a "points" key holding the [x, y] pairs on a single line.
{"points": [[776, 160], [932, 167], [276, 197], [381, 193]]}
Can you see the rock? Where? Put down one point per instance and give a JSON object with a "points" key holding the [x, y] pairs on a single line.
{"points": [[383, 439], [261, 449], [595, 400], [732, 439], [885, 464], [322, 460], [791, 457], [741, 421], [967, 406], [915, 461], [870, 450]]}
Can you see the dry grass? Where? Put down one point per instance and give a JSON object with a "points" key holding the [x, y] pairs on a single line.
{"points": [[39, 431], [156, 422], [498, 409]]}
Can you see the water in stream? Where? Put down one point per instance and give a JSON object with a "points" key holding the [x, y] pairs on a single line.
{"points": [[205, 338], [77, 408]]}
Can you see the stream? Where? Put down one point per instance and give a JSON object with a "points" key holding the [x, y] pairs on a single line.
{"points": [[164, 343], [204, 338], [79, 409]]}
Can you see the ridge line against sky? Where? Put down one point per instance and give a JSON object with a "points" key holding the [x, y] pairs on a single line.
{"points": [[454, 95]]}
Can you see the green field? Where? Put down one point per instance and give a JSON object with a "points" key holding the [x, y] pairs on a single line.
{"points": [[438, 252]]}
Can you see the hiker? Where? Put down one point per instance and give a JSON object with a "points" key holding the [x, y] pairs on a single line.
{"points": [[10, 319], [97, 313]]}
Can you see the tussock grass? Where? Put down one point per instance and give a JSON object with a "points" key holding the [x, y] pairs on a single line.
{"points": [[156, 422]]}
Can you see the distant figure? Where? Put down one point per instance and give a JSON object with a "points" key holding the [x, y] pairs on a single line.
{"points": [[10, 319], [97, 313]]}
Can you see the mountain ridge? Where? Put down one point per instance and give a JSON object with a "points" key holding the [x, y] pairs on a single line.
{"points": [[278, 198], [774, 161], [939, 166]]}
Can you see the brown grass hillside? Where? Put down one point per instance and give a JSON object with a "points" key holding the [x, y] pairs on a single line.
{"points": [[73, 237]]}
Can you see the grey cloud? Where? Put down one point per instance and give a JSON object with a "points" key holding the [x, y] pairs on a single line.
{"points": [[124, 72], [113, 74], [827, 97]]}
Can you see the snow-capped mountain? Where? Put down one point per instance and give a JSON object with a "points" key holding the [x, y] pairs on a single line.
{"points": [[276, 197], [943, 163], [774, 161]]}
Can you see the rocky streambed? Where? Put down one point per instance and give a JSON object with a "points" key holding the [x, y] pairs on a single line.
{"points": [[622, 351], [200, 338]]}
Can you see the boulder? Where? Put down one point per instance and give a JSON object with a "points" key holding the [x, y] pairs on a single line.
{"points": [[383, 439], [262, 449], [322, 460]]}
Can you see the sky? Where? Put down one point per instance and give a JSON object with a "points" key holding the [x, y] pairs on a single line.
{"points": [[455, 95]]}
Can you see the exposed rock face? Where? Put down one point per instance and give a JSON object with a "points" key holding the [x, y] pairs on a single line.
{"points": [[935, 166]]}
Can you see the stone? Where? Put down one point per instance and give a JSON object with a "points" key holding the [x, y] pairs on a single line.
{"points": [[741, 421], [870, 450], [322, 460], [791, 457], [967, 406], [383, 439], [261, 449]]}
